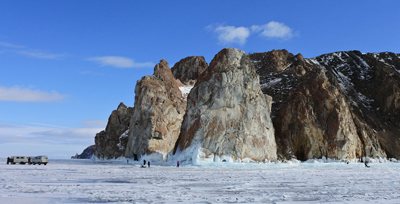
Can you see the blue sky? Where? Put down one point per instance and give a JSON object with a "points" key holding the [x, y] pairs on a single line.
{"points": [[65, 65]]}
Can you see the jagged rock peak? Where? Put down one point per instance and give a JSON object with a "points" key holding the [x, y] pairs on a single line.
{"points": [[159, 109], [189, 69], [110, 143], [162, 71], [227, 115], [278, 61]]}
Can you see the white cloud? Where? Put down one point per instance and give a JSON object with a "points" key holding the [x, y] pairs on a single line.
{"points": [[273, 30], [232, 34], [94, 123], [46, 125], [69, 134], [120, 62], [28, 95], [7, 126], [40, 55], [23, 50], [9, 45]]}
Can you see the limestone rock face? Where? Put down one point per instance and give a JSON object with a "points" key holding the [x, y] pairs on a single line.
{"points": [[227, 114], [111, 143], [158, 114], [312, 114], [189, 69]]}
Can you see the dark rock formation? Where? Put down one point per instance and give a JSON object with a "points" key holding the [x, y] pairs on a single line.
{"points": [[189, 69], [159, 109], [111, 142], [87, 153], [316, 110], [227, 114], [371, 82]]}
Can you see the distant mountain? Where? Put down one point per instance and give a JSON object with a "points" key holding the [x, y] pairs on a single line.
{"points": [[86, 154]]}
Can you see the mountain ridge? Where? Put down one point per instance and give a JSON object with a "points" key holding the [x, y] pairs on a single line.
{"points": [[336, 105]]}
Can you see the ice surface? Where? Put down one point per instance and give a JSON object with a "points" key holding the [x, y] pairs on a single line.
{"points": [[116, 181]]}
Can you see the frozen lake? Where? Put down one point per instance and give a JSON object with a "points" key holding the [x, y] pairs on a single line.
{"points": [[87, 181]]}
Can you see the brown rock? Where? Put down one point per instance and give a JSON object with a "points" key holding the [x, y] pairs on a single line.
{"points": [[111, 143], [311, 114], [159, 109], [371, 82], [189, 69]]}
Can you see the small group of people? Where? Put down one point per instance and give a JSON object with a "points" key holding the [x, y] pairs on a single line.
{"points": [[144, 164]]}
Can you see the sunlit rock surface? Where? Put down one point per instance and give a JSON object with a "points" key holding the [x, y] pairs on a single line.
{"points": [[158, 114], [227, 114]]}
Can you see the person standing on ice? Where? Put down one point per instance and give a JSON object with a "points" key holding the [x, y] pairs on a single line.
{"points": [[366, 164], [144, 162], [148, 164], [177, 164]]}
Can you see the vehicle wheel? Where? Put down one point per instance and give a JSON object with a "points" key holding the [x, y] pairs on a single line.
{"points": [[39, 163], [12, 163], [45, 163]]}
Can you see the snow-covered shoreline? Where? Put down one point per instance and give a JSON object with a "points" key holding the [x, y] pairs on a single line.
{"points": [[116, 181]]}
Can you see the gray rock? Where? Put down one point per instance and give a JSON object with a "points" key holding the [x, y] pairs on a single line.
{"points": [[227, 114]]}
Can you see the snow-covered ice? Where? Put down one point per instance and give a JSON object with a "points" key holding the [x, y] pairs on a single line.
{"points": [[89, 181]]}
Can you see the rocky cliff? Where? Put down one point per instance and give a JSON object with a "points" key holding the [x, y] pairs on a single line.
{"points": [[337, 105], [316, 106], [158, 114], [227, 115], [371, 82], [189, 69], [111, 142]]}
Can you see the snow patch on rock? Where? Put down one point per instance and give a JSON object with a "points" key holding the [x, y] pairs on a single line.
{"points": [[185, 91]]}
